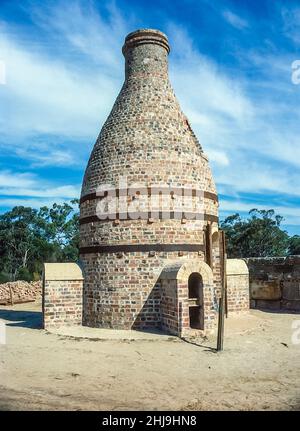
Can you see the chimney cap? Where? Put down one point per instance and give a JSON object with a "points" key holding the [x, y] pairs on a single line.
{"points": [[145, 36]]}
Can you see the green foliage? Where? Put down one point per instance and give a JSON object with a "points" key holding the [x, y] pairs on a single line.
{"points": [[4, 277], [24, 274], [36, 276], [29, 237], [258, 236], [294, 245]]}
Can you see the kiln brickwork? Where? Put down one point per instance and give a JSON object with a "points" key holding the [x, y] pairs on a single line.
{"points": [[148, 153]]}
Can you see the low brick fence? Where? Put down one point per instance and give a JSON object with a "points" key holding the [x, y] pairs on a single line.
{"points": [[62, 295], [267, 283], [275, 282], [237, 286]]}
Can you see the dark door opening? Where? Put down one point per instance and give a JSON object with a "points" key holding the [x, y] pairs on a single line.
{"points": [[196, 309]]}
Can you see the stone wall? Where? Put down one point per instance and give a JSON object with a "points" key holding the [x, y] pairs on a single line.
{"points": [[237, 285], [275, 283], [62, 295]]}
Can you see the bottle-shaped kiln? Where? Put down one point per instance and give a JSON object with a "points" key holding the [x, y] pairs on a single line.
{"points": [[145, 163]]}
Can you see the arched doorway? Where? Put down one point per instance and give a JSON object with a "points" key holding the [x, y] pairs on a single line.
{"points": [[195, 298], [188, 298]]}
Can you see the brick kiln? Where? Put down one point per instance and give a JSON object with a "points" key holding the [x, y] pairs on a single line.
{"points": [[149, 242]]}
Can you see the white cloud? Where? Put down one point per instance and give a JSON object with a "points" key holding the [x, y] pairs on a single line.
{"points": [[248, 176], [44, 191], [80, 25], [49, 158], [43, 95], [27, 184], [218, 157], [29, 202], [13, 180], [203, 88], [235, 20], [67, 91]]}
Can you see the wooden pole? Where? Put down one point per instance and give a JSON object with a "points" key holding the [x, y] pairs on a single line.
{"points": [[208, 245], [225, 271], [11, 295], [220, 327], [222, 300]]}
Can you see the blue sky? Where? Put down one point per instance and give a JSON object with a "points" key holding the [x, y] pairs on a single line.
{"points": [[230, 66]]}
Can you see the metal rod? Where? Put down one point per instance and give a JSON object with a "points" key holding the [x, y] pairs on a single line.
{"points": [[222, 300]]}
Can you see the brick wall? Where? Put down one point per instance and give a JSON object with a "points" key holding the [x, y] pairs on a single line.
{"points": [[176, 303], [275, 282], [169, 306], [62, 295], [237, 286]]}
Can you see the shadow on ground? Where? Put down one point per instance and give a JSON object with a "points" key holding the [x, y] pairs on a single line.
{"points": [[23, 319], [275, 310]]}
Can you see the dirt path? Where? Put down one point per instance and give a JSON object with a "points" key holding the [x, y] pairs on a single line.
{"points": [[259, 368]]}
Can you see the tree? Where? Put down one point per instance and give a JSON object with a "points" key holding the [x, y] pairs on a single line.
{"points": [[17, 238], [29, 237], [294, 245], [60, 227], [258, 236]]}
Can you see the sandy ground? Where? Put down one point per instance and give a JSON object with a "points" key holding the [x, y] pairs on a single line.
{"points": [[258, 370]]}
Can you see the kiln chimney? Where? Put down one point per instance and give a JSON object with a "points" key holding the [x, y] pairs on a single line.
{"points": [[150, 61]]}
